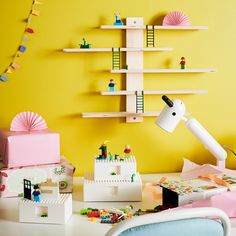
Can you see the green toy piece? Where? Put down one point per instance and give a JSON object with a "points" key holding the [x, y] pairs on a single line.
{"points": [[132, 178], [85, 44], [110, 156], [113, 173]]}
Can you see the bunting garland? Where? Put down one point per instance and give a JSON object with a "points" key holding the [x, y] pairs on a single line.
{"points": [[14, 65]]}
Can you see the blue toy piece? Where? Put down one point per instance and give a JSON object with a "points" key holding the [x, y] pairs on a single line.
{"points": [[22, 48], [36, 193], [111, 85], [118, 21], [3, 78]]}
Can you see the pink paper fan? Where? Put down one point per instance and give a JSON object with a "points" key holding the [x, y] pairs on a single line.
{"points": [[28, 121], [176, 18]]}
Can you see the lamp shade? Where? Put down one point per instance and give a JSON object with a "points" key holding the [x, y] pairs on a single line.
{"points": [[171, 115]]}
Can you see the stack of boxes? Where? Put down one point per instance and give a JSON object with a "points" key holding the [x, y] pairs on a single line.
{"points": [[113, 180], [29, 150]]}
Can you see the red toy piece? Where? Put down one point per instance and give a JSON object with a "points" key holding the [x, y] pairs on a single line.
{"points": [[93, 214], [127, 151]]}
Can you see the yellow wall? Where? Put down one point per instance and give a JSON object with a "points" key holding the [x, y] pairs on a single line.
{"points": [[61, 86]]}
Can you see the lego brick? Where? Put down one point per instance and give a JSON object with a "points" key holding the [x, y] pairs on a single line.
{"points": [[112, 190]]}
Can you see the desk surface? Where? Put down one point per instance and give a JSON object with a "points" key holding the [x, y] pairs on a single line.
{"points": [[78, 225]]}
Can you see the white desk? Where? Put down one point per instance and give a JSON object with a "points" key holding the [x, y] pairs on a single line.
{"points": [[78, 225]]}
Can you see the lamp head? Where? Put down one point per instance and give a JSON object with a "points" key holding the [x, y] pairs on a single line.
{"points": [[171, 114]]}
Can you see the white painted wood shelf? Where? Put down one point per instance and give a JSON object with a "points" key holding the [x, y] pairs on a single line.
{"points": [[134, 73], [190, 70], [153, 92], [117, 114], [74, 50], [159, 27]]}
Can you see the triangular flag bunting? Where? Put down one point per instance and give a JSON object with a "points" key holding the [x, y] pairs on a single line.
{"points": [[3, 78], [28, 20], [25, 38], [22, 48], [15, 66], [8, 71], [35, 12], [37, 2], [29, 30]]}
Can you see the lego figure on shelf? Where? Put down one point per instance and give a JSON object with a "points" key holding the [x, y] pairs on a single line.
{"points": [[111, 85], [85, 44], [103, 147], [118, 21], [36, 193], [182, 63], [127, 151]]}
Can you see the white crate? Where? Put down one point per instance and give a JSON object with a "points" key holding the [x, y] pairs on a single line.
{"points": [[58, 211], [114, 169], [112, 190]]}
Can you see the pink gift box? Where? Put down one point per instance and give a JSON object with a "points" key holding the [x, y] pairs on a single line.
{"points": [[11, 180], [21, 148]]}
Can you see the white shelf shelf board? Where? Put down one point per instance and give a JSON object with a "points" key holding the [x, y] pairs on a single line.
{"points": [[71, 50], [192, 70], [117, 114], [159, 27], [154, 92]]}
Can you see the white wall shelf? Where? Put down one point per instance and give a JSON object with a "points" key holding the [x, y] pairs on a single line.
{"points": [[154, 92], [134, 71], [117, 114], [190, 70], [159, 27], [71, 50]]}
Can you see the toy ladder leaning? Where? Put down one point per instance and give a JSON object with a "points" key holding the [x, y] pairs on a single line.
{"points": [[115, 59], [150, 35], [139, 101]]}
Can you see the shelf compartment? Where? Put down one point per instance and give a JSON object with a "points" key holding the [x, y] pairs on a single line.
{"points": [[159, 27], [73, 50], [154, 92], [190, 70]]}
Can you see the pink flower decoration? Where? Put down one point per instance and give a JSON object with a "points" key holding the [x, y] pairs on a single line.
{"points": [[176, 18], [28, 121]]}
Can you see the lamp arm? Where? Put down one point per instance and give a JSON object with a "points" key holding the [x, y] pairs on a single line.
{"points": [[207, 140]]}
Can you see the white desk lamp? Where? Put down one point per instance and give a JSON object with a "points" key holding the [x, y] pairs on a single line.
{"points": [[170, 116]]}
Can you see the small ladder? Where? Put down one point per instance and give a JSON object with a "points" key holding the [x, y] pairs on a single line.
{"points": [[150, 35], [115, 59], [139, 101]]}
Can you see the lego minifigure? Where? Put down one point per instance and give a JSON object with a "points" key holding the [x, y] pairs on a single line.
{"points": [[36, 193], [118, 21], [111, 85], [182, 63], [103, 147], [127, 151]]}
